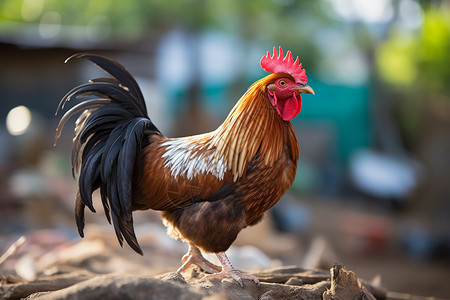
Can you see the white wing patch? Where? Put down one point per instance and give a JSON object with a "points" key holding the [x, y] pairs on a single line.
{"points": [[185, 159]]}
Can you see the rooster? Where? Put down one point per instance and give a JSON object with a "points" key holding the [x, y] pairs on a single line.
{"points": [[208, 186]]}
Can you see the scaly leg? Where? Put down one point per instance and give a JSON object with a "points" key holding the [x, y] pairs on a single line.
{"points": [[228, 271], [194, 256]]}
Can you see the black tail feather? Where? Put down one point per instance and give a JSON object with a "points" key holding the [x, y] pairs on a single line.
{"points": [[120, 74], [105, 203], [108, 141], [79, 214], [88, 104], [88, 181]]}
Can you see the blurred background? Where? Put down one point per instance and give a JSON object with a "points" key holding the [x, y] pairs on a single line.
{"points": [[372, 189]]}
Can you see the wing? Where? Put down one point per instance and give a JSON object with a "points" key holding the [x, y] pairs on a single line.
{"points": [[179, 172]]}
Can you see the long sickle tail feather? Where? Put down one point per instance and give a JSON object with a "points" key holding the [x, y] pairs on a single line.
{"points": [[109, 136]]}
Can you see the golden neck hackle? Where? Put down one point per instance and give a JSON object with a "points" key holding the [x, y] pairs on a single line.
{"points": [[252, 126]]}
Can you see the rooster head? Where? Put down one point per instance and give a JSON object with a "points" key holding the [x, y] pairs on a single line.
{"points": [[287, 83]]}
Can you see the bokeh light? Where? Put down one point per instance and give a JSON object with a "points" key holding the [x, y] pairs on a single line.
{"points": [[18, 120]]}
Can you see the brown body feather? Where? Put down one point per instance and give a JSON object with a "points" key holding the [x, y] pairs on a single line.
{"points": [[259, 151]]}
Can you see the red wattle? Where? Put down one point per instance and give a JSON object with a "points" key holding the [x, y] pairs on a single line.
{"points": [[287, 109], [290, 108]]}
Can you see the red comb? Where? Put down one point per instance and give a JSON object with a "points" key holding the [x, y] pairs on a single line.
{"points": [[278, 64]]}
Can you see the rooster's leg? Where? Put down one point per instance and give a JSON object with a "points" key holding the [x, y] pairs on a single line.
{"points": [[228, 271], [194, 256]]}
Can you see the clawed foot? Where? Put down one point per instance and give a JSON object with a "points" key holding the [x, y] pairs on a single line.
{"points": [[194, 256], [228, 271], [235, 274]]}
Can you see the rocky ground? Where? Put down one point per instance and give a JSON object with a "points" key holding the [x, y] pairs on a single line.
{"points": [[277, 283], [48, 266]]}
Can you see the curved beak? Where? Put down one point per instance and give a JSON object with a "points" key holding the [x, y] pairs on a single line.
{"points": [[305, 89]]}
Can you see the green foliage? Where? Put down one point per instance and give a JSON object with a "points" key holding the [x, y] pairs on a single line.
{"points": [[397, 59], [419, 63], [434, 57], [417, 67]]}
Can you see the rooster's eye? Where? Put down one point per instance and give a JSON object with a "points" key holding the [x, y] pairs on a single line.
{"points": [[282, 83]]}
